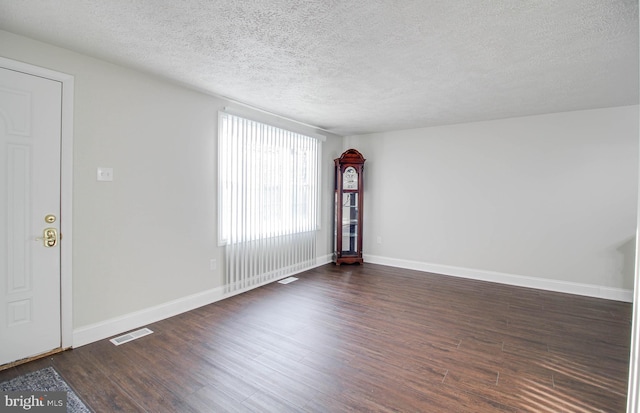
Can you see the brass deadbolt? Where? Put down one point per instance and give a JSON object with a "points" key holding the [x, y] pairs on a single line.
{"points": [[50, 219]]}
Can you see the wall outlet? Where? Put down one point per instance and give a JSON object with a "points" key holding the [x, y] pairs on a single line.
{"points": [[213, 265]]}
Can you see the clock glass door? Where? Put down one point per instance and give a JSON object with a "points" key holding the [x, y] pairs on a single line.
{"points": [[350, 223]]}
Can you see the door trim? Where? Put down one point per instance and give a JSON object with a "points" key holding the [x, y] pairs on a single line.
{"points": [[66, 190]]}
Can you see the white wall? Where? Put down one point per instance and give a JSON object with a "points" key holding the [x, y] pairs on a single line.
{"points": [[549, 197], [146, 238]]}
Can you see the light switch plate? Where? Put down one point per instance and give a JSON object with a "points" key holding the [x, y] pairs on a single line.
{"points": [[105, 174]]}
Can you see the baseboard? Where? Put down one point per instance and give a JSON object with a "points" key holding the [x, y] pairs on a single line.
{"points": [[118, 325], [589, 290], [325, 259]]}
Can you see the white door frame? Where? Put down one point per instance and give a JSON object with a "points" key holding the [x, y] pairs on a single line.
{"points": [[633, 389], [66, 190]]}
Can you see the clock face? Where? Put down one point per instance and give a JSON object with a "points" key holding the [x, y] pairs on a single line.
{"points": [[350, 178]]}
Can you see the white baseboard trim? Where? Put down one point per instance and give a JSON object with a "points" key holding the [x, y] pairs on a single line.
{"points": [[114, 326], [589, 290], [118, 325], [325, 259]]}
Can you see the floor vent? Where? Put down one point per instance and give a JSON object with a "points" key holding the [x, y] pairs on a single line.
{"points": [[287, 280], [131, 336]]}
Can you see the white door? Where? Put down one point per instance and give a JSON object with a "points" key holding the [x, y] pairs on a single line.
{"points": [[30, 138]]}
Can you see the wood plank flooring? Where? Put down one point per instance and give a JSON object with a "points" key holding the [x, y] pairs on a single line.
{"points": [[366, 338]]}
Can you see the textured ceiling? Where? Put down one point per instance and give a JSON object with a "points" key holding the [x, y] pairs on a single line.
{"points": [[363, 66]]}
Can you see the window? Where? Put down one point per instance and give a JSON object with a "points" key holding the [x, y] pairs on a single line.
{"points": [[268, 201], [268, 180]]}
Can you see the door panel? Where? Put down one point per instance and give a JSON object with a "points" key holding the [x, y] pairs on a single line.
{"points": [[30, 127]]}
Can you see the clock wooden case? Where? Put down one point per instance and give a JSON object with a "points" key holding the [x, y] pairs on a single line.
{"points": [[347, 246]]}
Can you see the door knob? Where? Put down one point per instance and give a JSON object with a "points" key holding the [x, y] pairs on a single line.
{"points": [[49, 237]]}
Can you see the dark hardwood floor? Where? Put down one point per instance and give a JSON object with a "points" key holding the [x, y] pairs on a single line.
{"points": [[366, 338]]}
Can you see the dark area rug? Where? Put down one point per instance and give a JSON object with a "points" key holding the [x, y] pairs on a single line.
{"points": [[46, 379]]}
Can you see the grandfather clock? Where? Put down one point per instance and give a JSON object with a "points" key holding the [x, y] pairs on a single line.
{"points": [[347, 247]]}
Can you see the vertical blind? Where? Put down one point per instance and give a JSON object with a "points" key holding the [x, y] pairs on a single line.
{"points": [[268, 200]]}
